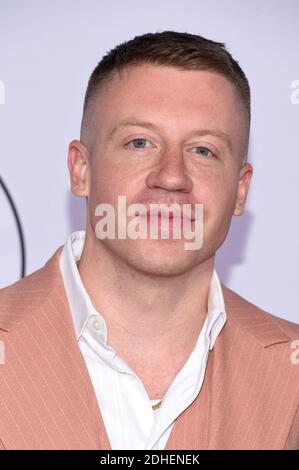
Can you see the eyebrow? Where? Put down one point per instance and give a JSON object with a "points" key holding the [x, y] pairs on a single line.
{"points": [[150, 125]]}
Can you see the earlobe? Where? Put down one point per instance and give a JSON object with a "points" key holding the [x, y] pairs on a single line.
{"points": [[238, 210]]}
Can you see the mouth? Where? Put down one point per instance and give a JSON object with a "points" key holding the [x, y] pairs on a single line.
{"points": [[168, 222], [164, 214]]}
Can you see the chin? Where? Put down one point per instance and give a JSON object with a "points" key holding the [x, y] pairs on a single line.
{"points": [[161, 257]]}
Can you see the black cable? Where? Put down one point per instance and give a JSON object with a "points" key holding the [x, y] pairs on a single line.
{"points": [[19, 226]]}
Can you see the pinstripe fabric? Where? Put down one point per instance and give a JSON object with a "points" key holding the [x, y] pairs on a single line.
{"points": [[249, 397], [251, 390]]}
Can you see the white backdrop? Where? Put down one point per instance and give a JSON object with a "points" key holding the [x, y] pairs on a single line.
{"points": [[47, 52]]}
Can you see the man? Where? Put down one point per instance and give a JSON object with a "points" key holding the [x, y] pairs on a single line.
{"points": [[124, 342]]}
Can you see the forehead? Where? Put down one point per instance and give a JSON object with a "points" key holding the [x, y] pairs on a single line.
{"points": [[170, 97]]}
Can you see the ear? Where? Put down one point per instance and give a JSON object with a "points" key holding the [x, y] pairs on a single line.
{"points": [[79, 165], [243, 187]]}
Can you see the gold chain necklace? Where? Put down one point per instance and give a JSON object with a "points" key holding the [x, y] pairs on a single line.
{"points": [[157, 405]]}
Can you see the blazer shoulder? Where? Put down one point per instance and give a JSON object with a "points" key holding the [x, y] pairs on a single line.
{"points": [[20, 299], [256, 317]]}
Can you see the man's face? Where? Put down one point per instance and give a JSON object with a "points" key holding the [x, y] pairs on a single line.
{"points": [[177, 158]]}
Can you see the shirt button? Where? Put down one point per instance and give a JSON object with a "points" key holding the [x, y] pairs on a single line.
{"points": [[97, 324]]}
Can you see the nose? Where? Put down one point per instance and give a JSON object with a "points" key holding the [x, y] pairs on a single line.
{"points": [[170, 173]]}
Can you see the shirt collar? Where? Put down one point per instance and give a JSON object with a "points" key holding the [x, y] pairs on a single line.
{"points": [[81, 305], [216, 309]]}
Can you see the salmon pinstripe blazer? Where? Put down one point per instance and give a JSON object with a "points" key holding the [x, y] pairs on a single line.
{"points": [[249, 398]]}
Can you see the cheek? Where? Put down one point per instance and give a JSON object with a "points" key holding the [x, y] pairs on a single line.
{"points": [[108, 181], [218, 193]]}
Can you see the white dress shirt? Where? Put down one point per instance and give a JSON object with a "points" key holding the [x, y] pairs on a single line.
{"points": [[125, 406]]}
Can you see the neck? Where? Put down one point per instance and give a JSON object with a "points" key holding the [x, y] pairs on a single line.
{"points": [[140, 309]]}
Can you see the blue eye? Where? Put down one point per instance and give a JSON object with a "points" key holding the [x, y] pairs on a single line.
{"points": [[140, 143], [203, 151]]}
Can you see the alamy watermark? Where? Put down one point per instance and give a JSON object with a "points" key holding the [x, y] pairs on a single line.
{"points": [[295, 93], [295, 353], [151, 221]]}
